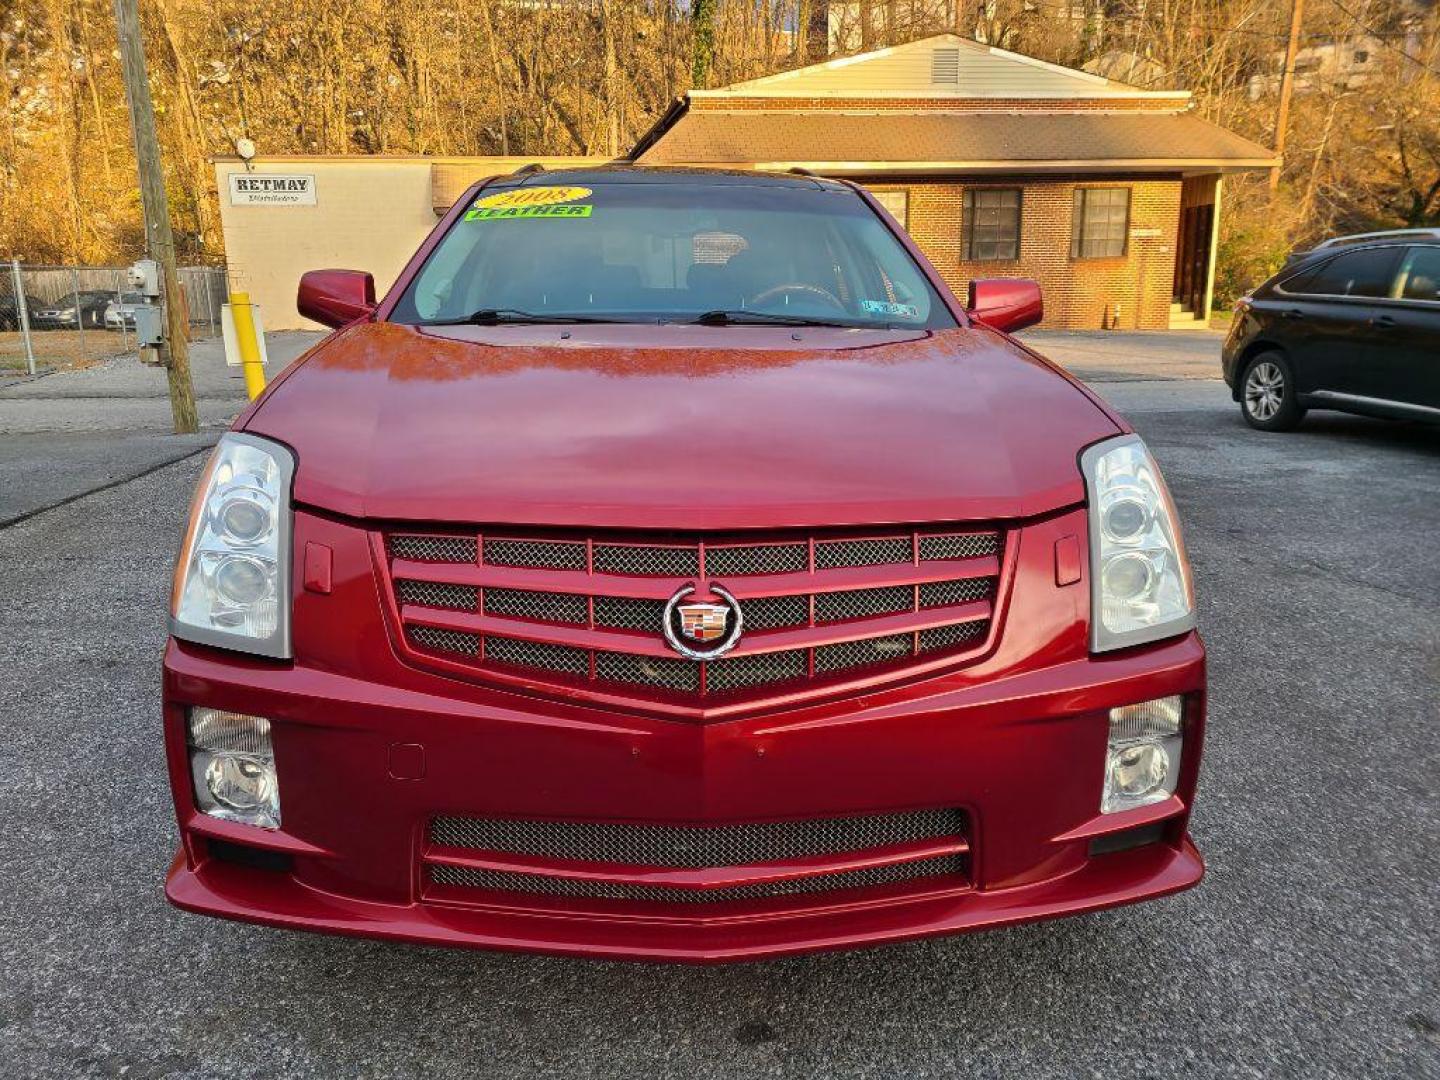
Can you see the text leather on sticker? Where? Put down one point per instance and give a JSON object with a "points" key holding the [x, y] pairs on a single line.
{"points": [[531, 196], [563, 210]]}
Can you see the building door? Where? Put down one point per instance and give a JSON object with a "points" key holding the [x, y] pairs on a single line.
{"points": [[1192, 245]]}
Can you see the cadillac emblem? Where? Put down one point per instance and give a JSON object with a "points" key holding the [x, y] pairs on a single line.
{"points": [[713, 621]]}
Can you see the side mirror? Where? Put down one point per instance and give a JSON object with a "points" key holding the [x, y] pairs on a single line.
{"points": [[1006, 304], [336, 297]]}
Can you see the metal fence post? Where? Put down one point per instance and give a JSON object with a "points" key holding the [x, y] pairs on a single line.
{"points": [[79, 311], [23, 312]]}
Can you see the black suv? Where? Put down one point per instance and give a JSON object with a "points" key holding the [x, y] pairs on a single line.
{"points": [[1352, 325]]}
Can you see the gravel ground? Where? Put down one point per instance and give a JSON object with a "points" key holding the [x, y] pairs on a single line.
{"points": [[1309, 951]]}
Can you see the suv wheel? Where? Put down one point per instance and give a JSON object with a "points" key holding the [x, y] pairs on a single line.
{"points": [[1267, 394]]}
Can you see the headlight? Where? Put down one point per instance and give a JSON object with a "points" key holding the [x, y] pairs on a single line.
{"points": [[1140, 586], [232, 583], [1142, 757], [232, 765]]}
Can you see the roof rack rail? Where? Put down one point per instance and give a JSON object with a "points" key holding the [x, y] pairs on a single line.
{"points": [[1386, 234], [526, 170]]}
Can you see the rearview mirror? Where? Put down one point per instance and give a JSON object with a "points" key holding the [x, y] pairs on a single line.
{"points": [[336, 297], [1006, 304]]}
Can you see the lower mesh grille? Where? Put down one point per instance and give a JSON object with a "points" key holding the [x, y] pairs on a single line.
{"points": [[694, 846], [540, 884], [698, 847]]}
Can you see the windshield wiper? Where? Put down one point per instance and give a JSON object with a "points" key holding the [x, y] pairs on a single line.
{"points": [[496, 316], [741, 317]]}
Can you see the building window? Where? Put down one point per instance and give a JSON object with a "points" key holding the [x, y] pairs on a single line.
{"points": [[1101, 223], [898, 203], [991, 226]]}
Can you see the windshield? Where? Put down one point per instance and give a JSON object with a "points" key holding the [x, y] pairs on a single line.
{"points": [[672, 252]]}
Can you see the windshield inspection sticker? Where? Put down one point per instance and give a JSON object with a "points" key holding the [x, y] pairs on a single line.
{"points": [[532, 202], [886, 307]]}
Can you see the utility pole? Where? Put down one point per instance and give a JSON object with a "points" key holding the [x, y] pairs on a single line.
{"points": [[1287, 87], [159, 240]]}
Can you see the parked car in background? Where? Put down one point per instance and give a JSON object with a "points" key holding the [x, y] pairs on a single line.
{"points": [[121, 313], [82, 309], [1353, 325], [10, 312], [672, 567]]}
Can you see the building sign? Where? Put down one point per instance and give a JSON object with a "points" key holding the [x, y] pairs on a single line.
{"points": [[269, 189]]}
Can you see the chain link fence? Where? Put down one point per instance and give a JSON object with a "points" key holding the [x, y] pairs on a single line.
{"points": [[73, 316]]}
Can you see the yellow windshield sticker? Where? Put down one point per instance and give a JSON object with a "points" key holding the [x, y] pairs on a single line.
{"points": [[531, 196], [493, 213]]}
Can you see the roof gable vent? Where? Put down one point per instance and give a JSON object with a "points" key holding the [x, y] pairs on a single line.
{"points": [[945, 66]]}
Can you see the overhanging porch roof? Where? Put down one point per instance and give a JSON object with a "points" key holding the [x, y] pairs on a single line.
{"points": [[943, 142]]}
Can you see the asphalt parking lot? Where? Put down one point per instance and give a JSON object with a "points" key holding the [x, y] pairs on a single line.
{"points": [[1311, 949]]}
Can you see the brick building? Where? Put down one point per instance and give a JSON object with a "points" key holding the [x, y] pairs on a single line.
{"points": [[999, 165]]}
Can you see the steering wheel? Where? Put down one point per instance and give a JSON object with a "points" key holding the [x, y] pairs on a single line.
{"points": [[796, 287]]}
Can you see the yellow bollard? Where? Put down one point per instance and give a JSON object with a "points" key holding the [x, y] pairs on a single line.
{"points": [[249, 347]]}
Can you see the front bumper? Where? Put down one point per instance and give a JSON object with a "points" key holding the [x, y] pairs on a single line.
{"points": [[364, 768]]}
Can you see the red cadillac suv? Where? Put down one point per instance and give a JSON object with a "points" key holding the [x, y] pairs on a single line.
{"points": [[669, 567]]}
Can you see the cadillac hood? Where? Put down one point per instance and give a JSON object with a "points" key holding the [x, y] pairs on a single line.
{"points": [[683, 427]]}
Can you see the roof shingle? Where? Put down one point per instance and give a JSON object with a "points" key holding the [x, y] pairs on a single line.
{"points": [[840, 141]]}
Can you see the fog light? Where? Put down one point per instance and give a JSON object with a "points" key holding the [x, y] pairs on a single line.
{"points": [[232, 766], [1142, 758]]}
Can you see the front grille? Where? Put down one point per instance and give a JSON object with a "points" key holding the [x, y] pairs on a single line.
{"points": [[437, 595], [646, 560], [628, 612], [448, 641], [858, 603], [694, 846], [538, 606], [761, 669], [948, 593], [647, 671], [774, 612], [757, 559], [544, 885], [539, 554], [609, 845], [950, 637], [496, 613], [534, 654], [449, 549], [959, 545], [860, 654], [842, 553]]}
